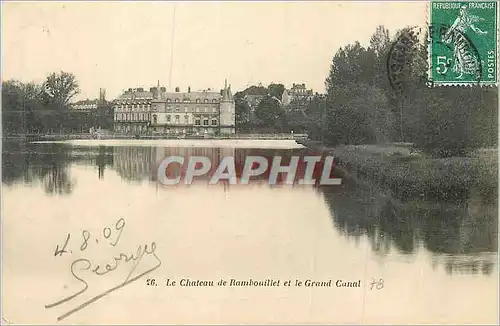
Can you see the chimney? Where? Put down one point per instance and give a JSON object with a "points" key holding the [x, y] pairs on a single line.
{"points": [[189, 89], [102, 94], [177, 89]]}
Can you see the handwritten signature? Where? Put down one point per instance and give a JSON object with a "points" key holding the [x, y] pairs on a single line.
{"points": [[84, 264]]}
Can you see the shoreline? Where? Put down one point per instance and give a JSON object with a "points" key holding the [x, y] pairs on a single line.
{"points": [[408, 175], [63, 137]]}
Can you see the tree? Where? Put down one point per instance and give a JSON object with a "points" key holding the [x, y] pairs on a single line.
{"points": [[256, 90], [60, 89], [269, 112], [380, 41], [31, 107], [242, 110], [276, 90]]}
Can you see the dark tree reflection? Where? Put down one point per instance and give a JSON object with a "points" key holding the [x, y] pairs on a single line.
{"points": [[28, 163], [466, 229]]}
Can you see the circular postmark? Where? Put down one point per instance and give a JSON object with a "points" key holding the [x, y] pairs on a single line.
{"points": [[399, 58], [453, 54]]}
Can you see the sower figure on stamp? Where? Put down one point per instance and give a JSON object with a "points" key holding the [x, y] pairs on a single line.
{"points": [[465, 61]]}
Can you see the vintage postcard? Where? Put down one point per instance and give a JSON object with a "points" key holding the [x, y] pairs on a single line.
{"points": [[239, 162]]}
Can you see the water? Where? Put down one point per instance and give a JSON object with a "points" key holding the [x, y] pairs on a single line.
{"points": [[437, 261]]}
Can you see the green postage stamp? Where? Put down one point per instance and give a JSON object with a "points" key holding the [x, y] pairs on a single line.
{"points": [[463, 43]]}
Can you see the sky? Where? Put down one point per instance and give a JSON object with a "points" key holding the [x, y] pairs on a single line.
{"points": [[118, 45]]}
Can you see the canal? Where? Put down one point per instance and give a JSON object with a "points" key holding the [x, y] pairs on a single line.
{"points": [[79, 206]]}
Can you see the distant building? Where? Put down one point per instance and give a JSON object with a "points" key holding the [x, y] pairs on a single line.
{"points": [[89, 105], [159, 112], [298, 92], [84, 106]]}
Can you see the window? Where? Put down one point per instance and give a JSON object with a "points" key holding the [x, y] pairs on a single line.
{"points": [[197, 122], [155, 119], [214, 122]]}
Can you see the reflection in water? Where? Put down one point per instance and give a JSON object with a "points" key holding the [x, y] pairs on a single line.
{"points": [[461, 236], [49, 164]]}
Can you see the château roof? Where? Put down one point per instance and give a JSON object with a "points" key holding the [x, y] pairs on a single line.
{"points": [[203, 96]]}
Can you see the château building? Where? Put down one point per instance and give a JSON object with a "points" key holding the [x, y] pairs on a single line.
{"points": [[298, 92], [158, 112]]}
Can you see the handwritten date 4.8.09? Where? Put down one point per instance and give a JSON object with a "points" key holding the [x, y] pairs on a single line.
{"points": [[86, 237], [120, 259]]}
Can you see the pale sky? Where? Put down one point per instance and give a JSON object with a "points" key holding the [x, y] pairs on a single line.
{"points": [[117, 45]]}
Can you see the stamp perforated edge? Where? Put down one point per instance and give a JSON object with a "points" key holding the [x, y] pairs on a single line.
{"points": [[430, 82]]}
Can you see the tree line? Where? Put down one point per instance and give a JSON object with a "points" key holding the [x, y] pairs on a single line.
{"points": [[362, 105], [44, 108]]}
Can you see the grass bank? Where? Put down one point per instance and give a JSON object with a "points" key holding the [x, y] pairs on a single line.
{"points": [[414, 175]]}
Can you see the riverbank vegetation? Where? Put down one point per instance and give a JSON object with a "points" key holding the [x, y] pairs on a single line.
{"points": [[44, 108], [447, 136], [410, 175], [368, 101]]}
